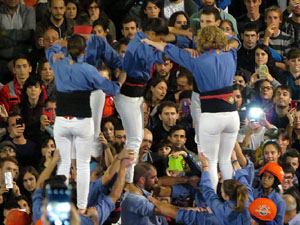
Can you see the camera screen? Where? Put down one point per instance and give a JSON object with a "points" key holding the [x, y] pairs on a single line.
{"points": [[59, 206], [255, 114]]}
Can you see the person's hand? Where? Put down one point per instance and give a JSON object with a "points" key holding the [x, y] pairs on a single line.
{"points": [[63, 42], [92, 212], [179, 153], [3, 112], [291, 115], [143, 152], [48, 154], [56, 156], [153, 200], [264, 122], [16, 189], [203, 161], [122, 77], [254, 78], [269, 32], [3, 190], [193, 181], [74, 216], [102, 139], [292, 5], [17, 131], [58, 56], [194, 53], [44, 122], [226, 48], [129, 160]]}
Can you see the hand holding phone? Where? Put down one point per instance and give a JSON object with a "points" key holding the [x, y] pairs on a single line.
{"points": [[49, 114]]}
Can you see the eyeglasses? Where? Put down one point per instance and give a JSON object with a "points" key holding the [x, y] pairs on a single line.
{"points": [[48, 39], [288, 177], [226, 29], [268, 88], [7, 150]]}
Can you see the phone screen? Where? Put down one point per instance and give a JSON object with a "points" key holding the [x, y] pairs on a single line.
{"points": [[49, 114], [19, 121], [59, 206]]}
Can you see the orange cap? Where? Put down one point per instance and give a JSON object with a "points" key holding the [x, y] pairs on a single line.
{"points": [[18, 217], [274, 169], [263, 209]]}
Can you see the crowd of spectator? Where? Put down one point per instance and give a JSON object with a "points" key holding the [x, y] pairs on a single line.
{"points": [[172, 182]]}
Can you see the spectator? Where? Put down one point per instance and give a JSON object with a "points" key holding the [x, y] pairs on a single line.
{"points": [[151, 9], [73, 9], [28, 178], [47, 150], [100, 27], [252, 16], [145, 152], [171, 6], [179, 20], [227, 27], [7, 148], [26, 153], [17, 25], [10, 94], [47, 76], [291, 217], [292, 157], [129, 27], [293, 72]]}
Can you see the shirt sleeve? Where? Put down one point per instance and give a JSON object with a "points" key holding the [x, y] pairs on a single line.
{"points": [[96, 188], [104, 208], [51, 51], [37, 204], [182, 191], [241, 176]]}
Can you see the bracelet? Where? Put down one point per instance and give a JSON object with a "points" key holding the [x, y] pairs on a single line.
{"points": [[94, 214], [234, 161]]}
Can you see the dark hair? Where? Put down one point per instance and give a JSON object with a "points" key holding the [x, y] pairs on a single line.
{"points": [[153, 83], [29, 169], [119, 126], [50, 99], [158, 3], [291, 152], [183, 72], [229, 22], [164, 143], [20, 56], [173, 18], [104, 22], [128, 19], [40, 65], [271, 142], [105, 120], [50, 3], [46, 140], [176, 128], [287, 168], [241, 72], [273, 8], [243, 92], [78, 6], [122, 41], [31, 81], [211, 10], [164, 104], [157, 25], [271, 61], [141, 170], [76, 46], [251, 27], [285, 88], [11, 204], [293, 53], [236, 192], [25, 198]]}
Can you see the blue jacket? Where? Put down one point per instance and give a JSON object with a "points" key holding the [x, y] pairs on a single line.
{"points": [[212, 70], [73, 76], [275, 197], [139, 59], [225, 210]]}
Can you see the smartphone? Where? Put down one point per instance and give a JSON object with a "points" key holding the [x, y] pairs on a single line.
{"points": [[293, 104], [243, 115], [185, 107], [19, 121], [59, 205], [49, 114], [8, 180], [185, 27], [263, 69]]}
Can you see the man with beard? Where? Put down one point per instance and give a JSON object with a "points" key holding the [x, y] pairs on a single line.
{"points": [[57, 21], [120, 138], [136, 208], [281, 100], [291, 25], [17, 24], [145, 153]]}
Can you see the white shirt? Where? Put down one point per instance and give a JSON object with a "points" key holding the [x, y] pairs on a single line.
{"points": [[170, 8]]}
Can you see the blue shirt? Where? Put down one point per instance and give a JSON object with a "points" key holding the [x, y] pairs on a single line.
{"points": [[295, 220], [139, 58], [98, 50], [73, 76], [190, 217], [220, 209], [138, 210], [275, 197], [212, 70]]}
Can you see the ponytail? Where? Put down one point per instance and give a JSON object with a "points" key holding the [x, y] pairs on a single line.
{"points": [[76, 46], [242, 198], [236, 192]]}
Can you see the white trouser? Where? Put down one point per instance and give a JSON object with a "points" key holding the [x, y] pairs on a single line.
{"points": [[97, 101], [81, 132], [131, 111], [218, 133], [196, 113]]}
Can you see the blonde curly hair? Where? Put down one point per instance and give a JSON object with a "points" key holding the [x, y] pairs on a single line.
{"points": [[211, 37]]}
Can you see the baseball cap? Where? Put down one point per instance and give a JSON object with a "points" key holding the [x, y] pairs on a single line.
{"points": [[7, 143], [19, 217], [263, 209]]}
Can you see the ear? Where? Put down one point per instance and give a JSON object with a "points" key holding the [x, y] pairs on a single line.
{"points": [[257, 36], [30, 69], [122, 31], [218, 23], [142, 180], [159, 116], [242, 36]]}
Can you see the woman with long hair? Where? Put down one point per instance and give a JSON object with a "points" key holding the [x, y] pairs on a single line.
{"points": [[74, 82]]}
